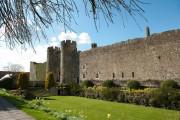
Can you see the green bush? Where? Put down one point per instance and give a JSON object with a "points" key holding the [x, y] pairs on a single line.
{"points": [[110, 94], [139, 97], [7, 83], [87, 83], [108, 83], [49, 82], [133, 84], [74, 89], [166, 98], [22, 81], [159, 97], [90, 92], [169, 84]]}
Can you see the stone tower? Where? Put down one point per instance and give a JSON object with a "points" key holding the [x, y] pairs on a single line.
{"points": [[53, 64], [69, 62]]}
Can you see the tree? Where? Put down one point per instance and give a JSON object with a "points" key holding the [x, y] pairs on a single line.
{"points": [[21, 18], [14, 67], [22, 81], [49, 82]]}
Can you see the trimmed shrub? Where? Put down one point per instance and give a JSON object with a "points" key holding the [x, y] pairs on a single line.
{"points": [[133, 84], [163, 97], [108, 83], [110, 94], [169, 84], [49, 82], [90, 92], [87, 83], [139, 97], [22, 81], [166, 98]]}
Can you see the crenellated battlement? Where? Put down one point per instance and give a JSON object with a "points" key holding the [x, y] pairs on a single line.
{"points": [[154, 39], [68, 43], [53, 48]]}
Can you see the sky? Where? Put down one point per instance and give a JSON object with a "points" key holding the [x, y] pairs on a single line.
{"points": [[161, 15]]}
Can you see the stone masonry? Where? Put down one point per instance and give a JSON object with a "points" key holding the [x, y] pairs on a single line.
{"points": [[154, 57]]}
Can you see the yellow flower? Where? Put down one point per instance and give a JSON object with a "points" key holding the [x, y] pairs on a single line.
{"points": [[108, 115]]}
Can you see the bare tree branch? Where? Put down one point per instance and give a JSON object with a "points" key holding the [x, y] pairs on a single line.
{"points": [[13, 67], [23, 19]]}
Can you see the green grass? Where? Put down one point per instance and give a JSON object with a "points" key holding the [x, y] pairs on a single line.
{"points": [[95, 109], [38, 115], [98, 109]]}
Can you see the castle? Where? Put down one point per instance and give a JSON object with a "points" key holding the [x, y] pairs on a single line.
{"points": [[155, 57]]}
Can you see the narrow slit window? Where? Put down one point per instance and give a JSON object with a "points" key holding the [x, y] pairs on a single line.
{"points": [[84, 76], [113, 75], [84, 66], [97, 75], [122, 75], [133, 74], [159, 57]]}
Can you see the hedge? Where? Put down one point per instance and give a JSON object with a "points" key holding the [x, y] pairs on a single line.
{"points": [[87, 83], [166, 98], [108, 83], [134, 84], [169, 84]]}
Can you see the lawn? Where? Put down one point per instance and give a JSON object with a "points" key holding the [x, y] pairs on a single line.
{"points": [[98, 109], [95, 109]]}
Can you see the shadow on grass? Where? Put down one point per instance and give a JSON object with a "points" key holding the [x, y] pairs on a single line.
{"points": [[49, 98], [34, 93], [17, 102]]}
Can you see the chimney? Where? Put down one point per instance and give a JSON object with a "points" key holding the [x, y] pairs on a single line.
{"points": [[147, 30], [93, 45]]}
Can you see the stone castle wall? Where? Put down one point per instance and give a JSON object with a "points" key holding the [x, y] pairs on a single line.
{"points": [[153, 58], [156, 57], [63, 63], [69, 62], [37, 74], [53, 62]]}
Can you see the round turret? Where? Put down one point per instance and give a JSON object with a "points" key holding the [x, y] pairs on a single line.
{"points": [[69, 62], [53, 64]]}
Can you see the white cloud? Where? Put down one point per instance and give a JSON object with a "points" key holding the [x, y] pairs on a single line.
{"points": [[68, 36], [54, 41], [82, 38], [18, 56]]}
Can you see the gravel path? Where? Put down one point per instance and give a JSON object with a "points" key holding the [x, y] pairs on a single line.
{"points": [[9, 112]]}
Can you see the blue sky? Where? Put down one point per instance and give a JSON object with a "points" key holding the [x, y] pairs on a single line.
{"points": [[162, 15]]}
